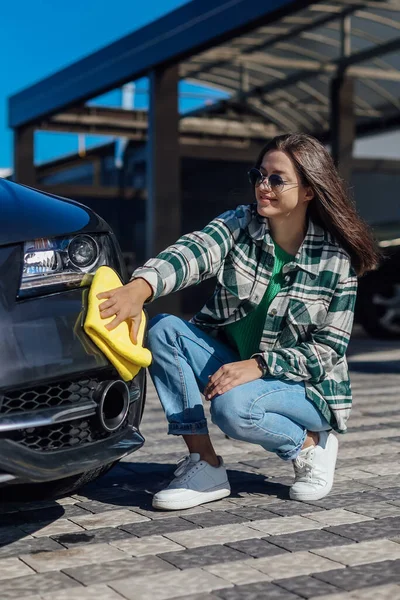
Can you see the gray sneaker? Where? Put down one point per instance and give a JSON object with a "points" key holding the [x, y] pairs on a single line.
{"points": [[196, 482]]}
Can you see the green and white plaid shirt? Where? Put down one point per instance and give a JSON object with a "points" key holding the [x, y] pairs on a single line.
{"points": [[308, 324]]}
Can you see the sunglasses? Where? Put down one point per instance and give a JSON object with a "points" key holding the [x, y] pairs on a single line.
{"points": [[274, 181]]}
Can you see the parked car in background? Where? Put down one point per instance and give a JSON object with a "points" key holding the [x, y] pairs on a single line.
{"points": [[378, 303], [65, 414]]}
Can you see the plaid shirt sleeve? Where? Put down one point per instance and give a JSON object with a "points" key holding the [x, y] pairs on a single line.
{"points": [[313, 360], [193, 258]]}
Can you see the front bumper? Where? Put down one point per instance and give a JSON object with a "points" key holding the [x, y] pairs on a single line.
{"points": [[49, 370], [32, 466], [54, 430]]}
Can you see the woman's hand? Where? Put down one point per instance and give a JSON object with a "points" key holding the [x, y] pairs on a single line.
{"points": [[231, 375], [125, 303]]}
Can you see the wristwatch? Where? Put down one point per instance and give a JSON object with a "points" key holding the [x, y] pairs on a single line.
{"points": [[262, 365]]}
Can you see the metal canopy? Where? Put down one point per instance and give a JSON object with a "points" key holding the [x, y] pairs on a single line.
{"points": [[193, 27], [283, 71], [275, 59]]}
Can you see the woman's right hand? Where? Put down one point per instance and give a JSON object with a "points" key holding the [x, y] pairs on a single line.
{"points": [[126, 304]]}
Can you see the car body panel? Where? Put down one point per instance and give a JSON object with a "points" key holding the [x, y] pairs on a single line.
{"points": [[28, 214]]}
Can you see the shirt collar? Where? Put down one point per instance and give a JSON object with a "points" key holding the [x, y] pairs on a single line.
{"points": [[307, 257]]}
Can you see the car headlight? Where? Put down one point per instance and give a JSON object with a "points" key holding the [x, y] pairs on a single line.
{"points": [[51, 265]]}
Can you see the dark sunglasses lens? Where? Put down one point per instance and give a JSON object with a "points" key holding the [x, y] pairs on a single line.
{"points": [[276, 182], [255, 177]]}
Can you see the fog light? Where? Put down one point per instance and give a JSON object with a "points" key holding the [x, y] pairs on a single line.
{"points": [[83, 251]]}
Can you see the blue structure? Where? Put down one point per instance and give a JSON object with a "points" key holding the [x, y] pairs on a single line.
{"points": [[329, 69]]}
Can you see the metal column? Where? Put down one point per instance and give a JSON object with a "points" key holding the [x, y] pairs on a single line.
{"points": [[342, 109], [163, 210], [24, 154], [342, 125]]}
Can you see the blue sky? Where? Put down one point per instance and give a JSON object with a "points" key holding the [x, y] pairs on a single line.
{"points": [[40, 37]]}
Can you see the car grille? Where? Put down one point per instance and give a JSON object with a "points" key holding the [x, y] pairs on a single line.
{"points": [[58, 436], [47, 396], [62, 436]]}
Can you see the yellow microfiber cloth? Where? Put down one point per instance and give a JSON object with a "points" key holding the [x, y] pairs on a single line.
{"points": [[128, 358]]}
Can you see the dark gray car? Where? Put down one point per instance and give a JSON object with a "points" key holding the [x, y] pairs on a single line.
{"points": [[65, 415]]}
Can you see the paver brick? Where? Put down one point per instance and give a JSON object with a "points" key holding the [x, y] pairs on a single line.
{"points": [[92, 536], [360, 576], [172, 514], [42, 583], [109, 519], [255, 513], [13, 567], [46, 530], [353, 578], [93, 592], [215, 535], [293, 564], [376, 510], [257, 548], [199, 557], [169, 585], [284, 525], [12, 534], [364, 552], [369, 530], [306, 586], [213, 519], [307, 540], [292, 508], [29, 545], [337, 516], [257, 591], [63, 559], [159, 527], [381, 592], [119, 569], [153, 544], [237, 572]]}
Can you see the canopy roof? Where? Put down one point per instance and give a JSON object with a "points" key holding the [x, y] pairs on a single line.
{"points": [[283, 71], [275, 59]]}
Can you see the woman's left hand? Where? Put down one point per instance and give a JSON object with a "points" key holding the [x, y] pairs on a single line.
{"points": [[231, 375]]}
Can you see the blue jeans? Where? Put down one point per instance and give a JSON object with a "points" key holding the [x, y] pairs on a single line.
{"points": [[272, 413]]}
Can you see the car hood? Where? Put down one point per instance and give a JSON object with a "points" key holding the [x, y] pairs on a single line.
{"points": [[28, 214]]}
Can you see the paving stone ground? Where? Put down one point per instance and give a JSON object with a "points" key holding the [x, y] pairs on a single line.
{"points": [[107, 543]]}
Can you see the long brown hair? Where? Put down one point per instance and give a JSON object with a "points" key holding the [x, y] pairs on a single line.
{"points": [[331, 207]]}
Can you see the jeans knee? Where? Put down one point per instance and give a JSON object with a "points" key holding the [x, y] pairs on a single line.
{"points": [[230, 415]]}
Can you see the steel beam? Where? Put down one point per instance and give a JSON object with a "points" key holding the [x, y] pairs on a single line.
{"points": [[133, 124], [24, 155], [303, 28], [342, 125], [340, 64]]}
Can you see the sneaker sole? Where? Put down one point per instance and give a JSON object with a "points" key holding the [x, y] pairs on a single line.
{"points": [[196, 500], [316, 496], [321, 493]]}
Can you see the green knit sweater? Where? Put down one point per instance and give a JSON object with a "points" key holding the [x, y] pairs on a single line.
{"points": [[245, 335]]}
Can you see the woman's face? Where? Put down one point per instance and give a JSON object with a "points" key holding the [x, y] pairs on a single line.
{"points": [[293, 198]]}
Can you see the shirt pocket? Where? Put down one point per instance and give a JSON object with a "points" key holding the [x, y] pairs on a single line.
{"points": [[302, 319], [236, 278]]}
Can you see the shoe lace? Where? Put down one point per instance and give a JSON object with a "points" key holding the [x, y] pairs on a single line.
{"points": [[183, 466], [303, 466]]}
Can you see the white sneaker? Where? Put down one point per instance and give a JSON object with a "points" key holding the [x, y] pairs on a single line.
{"points": [[196, 482], [314, 469]]}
